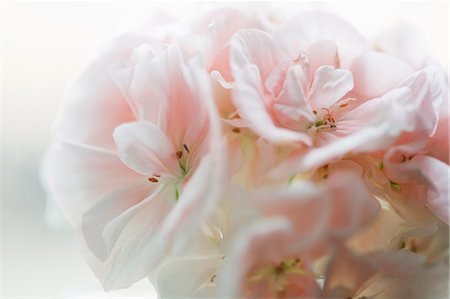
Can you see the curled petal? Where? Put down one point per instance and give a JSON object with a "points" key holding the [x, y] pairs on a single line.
{"points": [[146, 149], [249, 99], [137, 246], [257, 48], [329, 86]]}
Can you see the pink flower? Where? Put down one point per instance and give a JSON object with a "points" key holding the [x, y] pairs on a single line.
{"points": [[169, 175], [241, 156], [325, 95], [261, 264], [420, 180], [274, 256]]}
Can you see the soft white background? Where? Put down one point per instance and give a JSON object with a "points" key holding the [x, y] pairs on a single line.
{"points": [[44, 45]]}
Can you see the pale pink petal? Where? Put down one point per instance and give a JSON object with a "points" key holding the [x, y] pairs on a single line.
{"points": [[256, 48], [329, 86], [405, 275], [344, 166], [347, 273], [390, 275], [304, 30], [352, 208], [291, 108], [265, 242], [93, 92], [187, 114], [222, 95], [439, 145], [371, 126], [438, 195], [322, 214], [323, 52], [404, 42], [141, 82], [104, 211], [213, 43], [249, 99], [376, 73], [163, 87], [137, 245], [428, 90], [197, 199], [265, 159], [288, 202], [78, 176], [180, 278], [378, 235], [397, 165], [275, 81], [145, 149]]}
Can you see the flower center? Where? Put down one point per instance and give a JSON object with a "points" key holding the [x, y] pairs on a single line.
{"points": [[182, 157], [277, 277], [327, 119]]}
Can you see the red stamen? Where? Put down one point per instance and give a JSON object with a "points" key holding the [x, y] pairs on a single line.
{"points": [[328, 117], [186, 148], [179, 154]]}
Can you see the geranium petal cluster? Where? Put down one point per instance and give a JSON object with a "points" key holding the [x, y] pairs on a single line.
{"points": [[241, 155]]}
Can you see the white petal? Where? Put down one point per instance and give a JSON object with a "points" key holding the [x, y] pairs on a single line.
{"points": [[137, 248], [83, 118], [304, 30], [106, 210], [329, 86], [256, 48], [197, 199], [376, 73], [146, 149], [182, 278], [78, 176]]}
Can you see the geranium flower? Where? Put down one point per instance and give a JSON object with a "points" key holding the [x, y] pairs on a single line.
{"points": [[323, 94], [275, 254], [170, 170], [240, 155]]}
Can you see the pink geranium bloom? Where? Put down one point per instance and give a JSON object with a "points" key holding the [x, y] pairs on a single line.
{"points": [[262, 266], [311, 89], [150, 190], [241, 156], [415, 170], [420, 180], [275, 255]]}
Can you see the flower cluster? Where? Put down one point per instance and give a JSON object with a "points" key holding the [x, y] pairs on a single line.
{"points": [[243, 156]]}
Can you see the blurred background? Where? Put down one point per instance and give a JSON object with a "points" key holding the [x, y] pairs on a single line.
{"points": [[44, 44]]}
